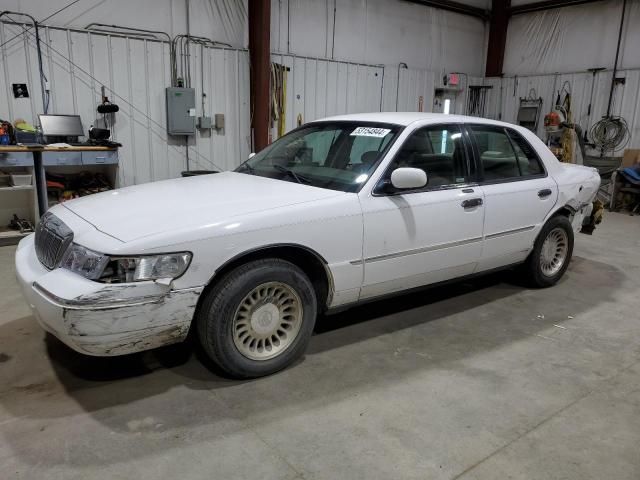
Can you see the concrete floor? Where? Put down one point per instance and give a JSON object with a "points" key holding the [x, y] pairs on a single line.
{"points": [[480, 380]]}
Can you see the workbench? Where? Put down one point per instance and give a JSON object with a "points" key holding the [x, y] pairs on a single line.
{"points": [[31, 202]]}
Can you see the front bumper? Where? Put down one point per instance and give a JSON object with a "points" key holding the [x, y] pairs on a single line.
{"points": [[102, 319]]}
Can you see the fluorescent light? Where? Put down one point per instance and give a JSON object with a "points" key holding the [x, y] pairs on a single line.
{"points": [[447, 106]]}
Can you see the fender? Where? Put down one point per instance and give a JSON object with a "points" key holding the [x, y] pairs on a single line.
{"points": [[256, 252]]}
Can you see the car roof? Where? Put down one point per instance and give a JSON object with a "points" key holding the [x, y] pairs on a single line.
{"points": [[407, 118]]}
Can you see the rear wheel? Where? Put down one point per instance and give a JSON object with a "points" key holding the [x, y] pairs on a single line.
{"points": [[551, 253], [258, 319]]}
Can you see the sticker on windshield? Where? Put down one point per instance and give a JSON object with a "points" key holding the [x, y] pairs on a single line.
{"points": [[370, 132]]}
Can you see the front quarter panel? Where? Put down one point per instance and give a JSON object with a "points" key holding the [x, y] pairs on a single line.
{"points": [[332, 228]]}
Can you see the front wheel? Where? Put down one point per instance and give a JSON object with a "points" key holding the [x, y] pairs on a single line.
{"points": [[258, 318], [551, 253]]}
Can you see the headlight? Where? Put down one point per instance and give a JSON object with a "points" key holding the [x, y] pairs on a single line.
{"points": [[148, 267], [84, 262], [100, 267]]}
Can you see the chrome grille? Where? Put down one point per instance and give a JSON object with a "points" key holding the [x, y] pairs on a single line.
{"points": [[53, 238]]}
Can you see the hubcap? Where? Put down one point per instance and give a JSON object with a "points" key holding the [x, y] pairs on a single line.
{"points": [[554, 252], [267, 321]]}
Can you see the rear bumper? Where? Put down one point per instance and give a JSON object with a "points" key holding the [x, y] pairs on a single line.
{"points": [[101, 319], [592, 218]]}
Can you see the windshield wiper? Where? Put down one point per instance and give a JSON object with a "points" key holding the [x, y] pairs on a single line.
{"points": [[298, 178]]}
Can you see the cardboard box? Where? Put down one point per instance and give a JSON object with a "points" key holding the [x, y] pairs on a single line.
{"points": [[631, 157]]}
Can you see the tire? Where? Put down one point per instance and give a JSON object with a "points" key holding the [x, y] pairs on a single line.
{"points": [[258, 318], [547, 263]]}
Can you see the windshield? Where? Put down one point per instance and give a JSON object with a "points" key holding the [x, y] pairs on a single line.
{"points": [[335, 155]]}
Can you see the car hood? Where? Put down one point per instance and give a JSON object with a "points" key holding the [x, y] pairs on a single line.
{"points": [[149, 209]]}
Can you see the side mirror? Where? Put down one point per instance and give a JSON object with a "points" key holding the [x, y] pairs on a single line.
{"points": [[251, 155], [406, 178]]}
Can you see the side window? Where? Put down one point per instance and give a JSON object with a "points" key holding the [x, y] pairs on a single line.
{"points": [[505, 155], [527, 156], [439, 151]]}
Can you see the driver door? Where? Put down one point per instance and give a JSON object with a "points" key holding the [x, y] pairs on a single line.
{"points": [[419, 237]]}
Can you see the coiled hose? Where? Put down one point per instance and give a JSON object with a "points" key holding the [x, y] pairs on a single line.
{"points": [[610, 134]]}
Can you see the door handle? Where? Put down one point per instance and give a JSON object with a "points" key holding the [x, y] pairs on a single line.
{"points": [[472, 202], [544, 193]]}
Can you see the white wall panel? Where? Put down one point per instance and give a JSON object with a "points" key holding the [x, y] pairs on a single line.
{"points": [[416, 83], [505, 98], [318, 88], [379, 32], [135, 73], [366, 31], [226, 85], [572, 39], [221, 20]]}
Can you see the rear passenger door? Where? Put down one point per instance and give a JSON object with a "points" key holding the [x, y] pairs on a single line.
{"points": [[517, 190]]}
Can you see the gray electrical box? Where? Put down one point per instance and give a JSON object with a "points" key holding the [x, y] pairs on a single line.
{"points": [[181, 111], [204, 123]]}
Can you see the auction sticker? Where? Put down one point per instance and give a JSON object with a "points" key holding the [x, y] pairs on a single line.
{"points": [[370, 132]]}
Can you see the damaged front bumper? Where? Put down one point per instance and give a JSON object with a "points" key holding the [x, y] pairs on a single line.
{"points": [[102, 319]]}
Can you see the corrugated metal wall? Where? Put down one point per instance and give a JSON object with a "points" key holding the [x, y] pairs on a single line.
{"points": [[318, 88], [506, 94], [416, 83], [135, 72]]}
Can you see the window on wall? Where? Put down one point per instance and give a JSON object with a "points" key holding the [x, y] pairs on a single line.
{"points": [[505, 154], [439, 151]]}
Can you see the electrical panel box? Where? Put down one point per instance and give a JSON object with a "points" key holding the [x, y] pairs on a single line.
{"points": [[181, 111]]}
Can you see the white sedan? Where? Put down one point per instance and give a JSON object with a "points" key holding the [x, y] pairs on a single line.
{"points": [[340, 211]]}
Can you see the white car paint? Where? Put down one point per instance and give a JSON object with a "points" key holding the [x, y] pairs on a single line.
{"points": [[371, 245]]}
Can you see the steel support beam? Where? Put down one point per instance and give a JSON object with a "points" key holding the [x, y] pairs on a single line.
{"points": [[260, 76], [453, 6], [546, 5], [497, 37]]}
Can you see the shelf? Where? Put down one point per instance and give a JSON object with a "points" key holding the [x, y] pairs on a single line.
{"points": [[21, 187], [11, 237], [12, 233]]}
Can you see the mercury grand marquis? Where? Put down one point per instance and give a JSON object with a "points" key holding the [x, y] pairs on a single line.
{"points": [[337, 212]]}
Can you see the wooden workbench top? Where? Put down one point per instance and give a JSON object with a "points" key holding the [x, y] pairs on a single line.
{"points": [[47, 148]]}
